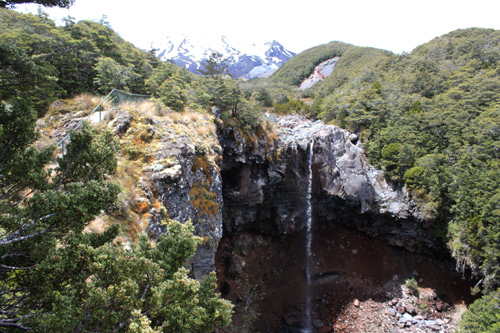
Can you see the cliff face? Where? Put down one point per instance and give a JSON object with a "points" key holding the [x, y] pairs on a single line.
{"points": [[173, 165], [363, 230], [259, 180], [265, 185]]}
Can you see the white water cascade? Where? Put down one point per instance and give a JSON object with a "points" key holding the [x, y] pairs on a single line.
{"points": [[308, 308]]}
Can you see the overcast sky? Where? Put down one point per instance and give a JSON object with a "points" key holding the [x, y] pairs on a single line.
{"points": [[395, 25]]}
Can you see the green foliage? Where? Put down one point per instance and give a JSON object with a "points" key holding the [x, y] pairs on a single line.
{"points": [[224, 93], [414, 178], [483, 315], [263, 96], [89, 156], [412, 286], [352, 59], [40, 207], [110, 288], [83, 57], [110, 75], [249, 113], [247, 312], [18, 72], [292, 106], [21, 165], [173, 92]]}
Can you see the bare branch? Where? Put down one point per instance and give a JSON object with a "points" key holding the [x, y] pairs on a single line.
{"points": [[14, 237]]}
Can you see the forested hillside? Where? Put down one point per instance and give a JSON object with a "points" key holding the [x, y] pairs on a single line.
{"points": [[431, 120], [354, 60]]}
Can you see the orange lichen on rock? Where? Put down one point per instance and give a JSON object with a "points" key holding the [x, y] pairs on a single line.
{"points": [[203, 201]]}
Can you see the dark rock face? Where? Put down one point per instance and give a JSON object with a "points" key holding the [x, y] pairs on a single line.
{"points": [[191, 190], [265, 185], [262, 183], [181, 172]]}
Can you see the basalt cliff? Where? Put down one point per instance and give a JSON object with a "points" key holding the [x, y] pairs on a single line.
{"points": [[265, 183], [256, 181]]}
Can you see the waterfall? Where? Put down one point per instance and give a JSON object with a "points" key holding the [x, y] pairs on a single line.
{"points": [[308, 308]]}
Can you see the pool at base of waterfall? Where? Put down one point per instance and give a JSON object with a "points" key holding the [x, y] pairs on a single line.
{"points": [[350, 273]]}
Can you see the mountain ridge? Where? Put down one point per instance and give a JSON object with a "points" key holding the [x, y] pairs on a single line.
{"points": [[245, 61]]}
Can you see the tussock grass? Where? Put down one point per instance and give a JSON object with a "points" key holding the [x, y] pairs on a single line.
{"points": [[87, 101], [99, 225]]}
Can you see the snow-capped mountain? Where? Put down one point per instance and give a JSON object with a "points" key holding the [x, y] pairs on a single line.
{"points": [[245, 61]]}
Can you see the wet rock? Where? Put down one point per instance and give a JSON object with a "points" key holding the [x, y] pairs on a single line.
{"points": [[353, 138], [233, 264], [225, 288], [317, 323], [441, 306], [292, 319], [407, 317], [411, 309], [325, 329], [427, 295]]}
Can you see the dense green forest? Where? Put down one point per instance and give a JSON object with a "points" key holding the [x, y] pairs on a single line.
{"points": [[430, 119]]}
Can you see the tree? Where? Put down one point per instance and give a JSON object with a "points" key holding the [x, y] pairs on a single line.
{"points": [[111, 288], [172, 92], [111, 75], [46, 3], [224, 94], [18, 72], [215, 65], [39, 207], [483, 315]]}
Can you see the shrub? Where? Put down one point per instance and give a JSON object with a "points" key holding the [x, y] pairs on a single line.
{"points": [[412, 286], [483, 315]]}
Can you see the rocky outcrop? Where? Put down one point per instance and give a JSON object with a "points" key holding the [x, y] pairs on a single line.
{"points": [[176, 176], [265, 184], [320, 73], [190, 188]]}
